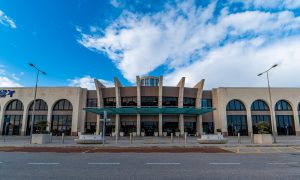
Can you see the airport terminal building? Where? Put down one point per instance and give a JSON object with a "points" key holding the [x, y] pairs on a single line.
{"points": [[149, 109]]}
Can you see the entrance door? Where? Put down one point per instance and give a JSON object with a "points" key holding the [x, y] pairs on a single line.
{"points": [[149, 127]]}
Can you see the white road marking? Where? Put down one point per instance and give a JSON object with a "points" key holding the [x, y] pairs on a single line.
{"points": [[163, 163], [1, 162], [104, 163], [225, 163], [43, 163], [282, 163]]}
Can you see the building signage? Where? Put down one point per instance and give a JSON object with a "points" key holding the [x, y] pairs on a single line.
{"points": [[4, 93]]}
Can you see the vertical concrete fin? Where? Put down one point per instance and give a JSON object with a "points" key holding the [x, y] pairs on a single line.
{"points": [[181, 92], [199, 87], [100, 103], [160, 91], [138, 91], [117, 82], [118, 93]]}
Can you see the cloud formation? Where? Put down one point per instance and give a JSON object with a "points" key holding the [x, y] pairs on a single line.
{"points": [[88, 82], [7, 21], [5, 81], [228, 48]]}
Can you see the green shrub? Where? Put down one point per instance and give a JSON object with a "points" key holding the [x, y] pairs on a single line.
{"points": [[263, 128]]}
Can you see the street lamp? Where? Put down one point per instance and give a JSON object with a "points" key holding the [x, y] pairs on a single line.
{"points": [[270, 99], [35, 91]]}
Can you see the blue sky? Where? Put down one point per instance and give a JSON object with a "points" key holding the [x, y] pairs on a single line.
{"points": [[225, 42]]}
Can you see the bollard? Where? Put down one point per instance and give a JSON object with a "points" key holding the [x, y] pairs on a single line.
{"points": [[252, 138], [185, 138], [130, 138], [239, 138], [63, 138], [172, 138]]}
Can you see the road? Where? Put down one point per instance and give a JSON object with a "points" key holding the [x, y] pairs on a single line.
{"points": [[148, 166]]}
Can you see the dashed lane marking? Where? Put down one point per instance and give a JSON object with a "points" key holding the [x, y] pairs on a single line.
{"points": [[282, 163], [43, 163], [104, 163], [163, 163], [224, 163]]}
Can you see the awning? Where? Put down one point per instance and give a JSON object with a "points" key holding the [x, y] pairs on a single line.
{"points": [[150, 110]]}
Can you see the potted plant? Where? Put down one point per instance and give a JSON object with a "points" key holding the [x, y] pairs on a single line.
{"points": [[143, 132], [133, 131], [264, 133], [165, 133], [156, 132], [177, 132], [42, 136]]}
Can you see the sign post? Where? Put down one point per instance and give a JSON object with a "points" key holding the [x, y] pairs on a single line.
{"points": [[104, 120]]}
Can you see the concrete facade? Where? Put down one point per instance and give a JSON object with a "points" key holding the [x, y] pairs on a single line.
{"points": [[162, 96]]}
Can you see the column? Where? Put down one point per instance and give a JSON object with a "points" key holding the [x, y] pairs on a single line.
{"points": [[24, 121], [296, 122], [160, 125], [199, 125], [49, 118], [138, 125], [117, 124], [249, 121], [1, 120], [181, 124]]}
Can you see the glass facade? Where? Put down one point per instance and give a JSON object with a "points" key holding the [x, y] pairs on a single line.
{"points": [[40, 124], [63, 105], [128, 127], [15, 105], [92, 102], [237, 124], [283, 105], [129, 101], [170, 127], [235, 105], [149, 127], [260, 118], [40, 105], [61, 124], [170, 101], [189, 102], [109, 102], [259, 105], [13, 126], [208, 127], [90, 127], [206, 103], [190, 128], [285, 123], [150, 81], [151, 101]]}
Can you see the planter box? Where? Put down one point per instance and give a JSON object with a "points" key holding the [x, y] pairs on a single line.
{"points": [[177, 134], [165, 133], [143, 134], [212, 139], [89, 139], [113, 134], [156, 134], [134, 134], [121, 134], [40, 138], [263, 139]]}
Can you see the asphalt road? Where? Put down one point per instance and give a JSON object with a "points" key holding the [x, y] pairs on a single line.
{"points": [[148, 166]]}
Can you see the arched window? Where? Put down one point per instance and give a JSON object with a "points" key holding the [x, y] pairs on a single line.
{"points": [[62, 118], [15, 105], [284, 120], [40, 119], [40, 105], [13, 122], [235, 105], [283, 105], [236, 120], [63, 105], [259, 105]]}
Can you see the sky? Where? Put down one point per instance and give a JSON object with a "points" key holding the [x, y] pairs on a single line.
{"points": [[225, 42]]}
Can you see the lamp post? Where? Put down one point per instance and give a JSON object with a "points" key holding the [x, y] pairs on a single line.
{"points": [[270, 99], [35, 91]]}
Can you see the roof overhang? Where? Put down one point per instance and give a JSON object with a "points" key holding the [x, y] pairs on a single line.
{"points": [[150, 110]]}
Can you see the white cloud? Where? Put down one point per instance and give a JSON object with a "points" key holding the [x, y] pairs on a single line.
{"points": [[227, 50], [5, 81], [115, 3], [270, 4], [88, 82], [7, 21]]}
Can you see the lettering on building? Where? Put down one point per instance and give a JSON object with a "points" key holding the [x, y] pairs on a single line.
{"points": [[4, 93]]}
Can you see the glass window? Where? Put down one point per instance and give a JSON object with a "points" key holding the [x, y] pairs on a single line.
{"points": [[109, 102], [189, 102], [283, 105], [237, 124], [206, 103], [149, 101], [40, 105], [91, 102], [129, 101], [170, 101], [259, 105], [61, 124], [63, 105], [15, 105], [235, 105]]}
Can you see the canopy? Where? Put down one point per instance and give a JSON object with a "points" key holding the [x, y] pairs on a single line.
{"points": [[150, 110]]}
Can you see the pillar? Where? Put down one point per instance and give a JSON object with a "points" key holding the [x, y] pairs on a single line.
{"points": [[249, 121], [117, 124], [160, 125], [199, 125], [138, 125], [181, 124], [296, 123], [24, 122]]}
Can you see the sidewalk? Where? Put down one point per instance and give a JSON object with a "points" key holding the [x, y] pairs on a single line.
{"points": [[19, 141]]}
